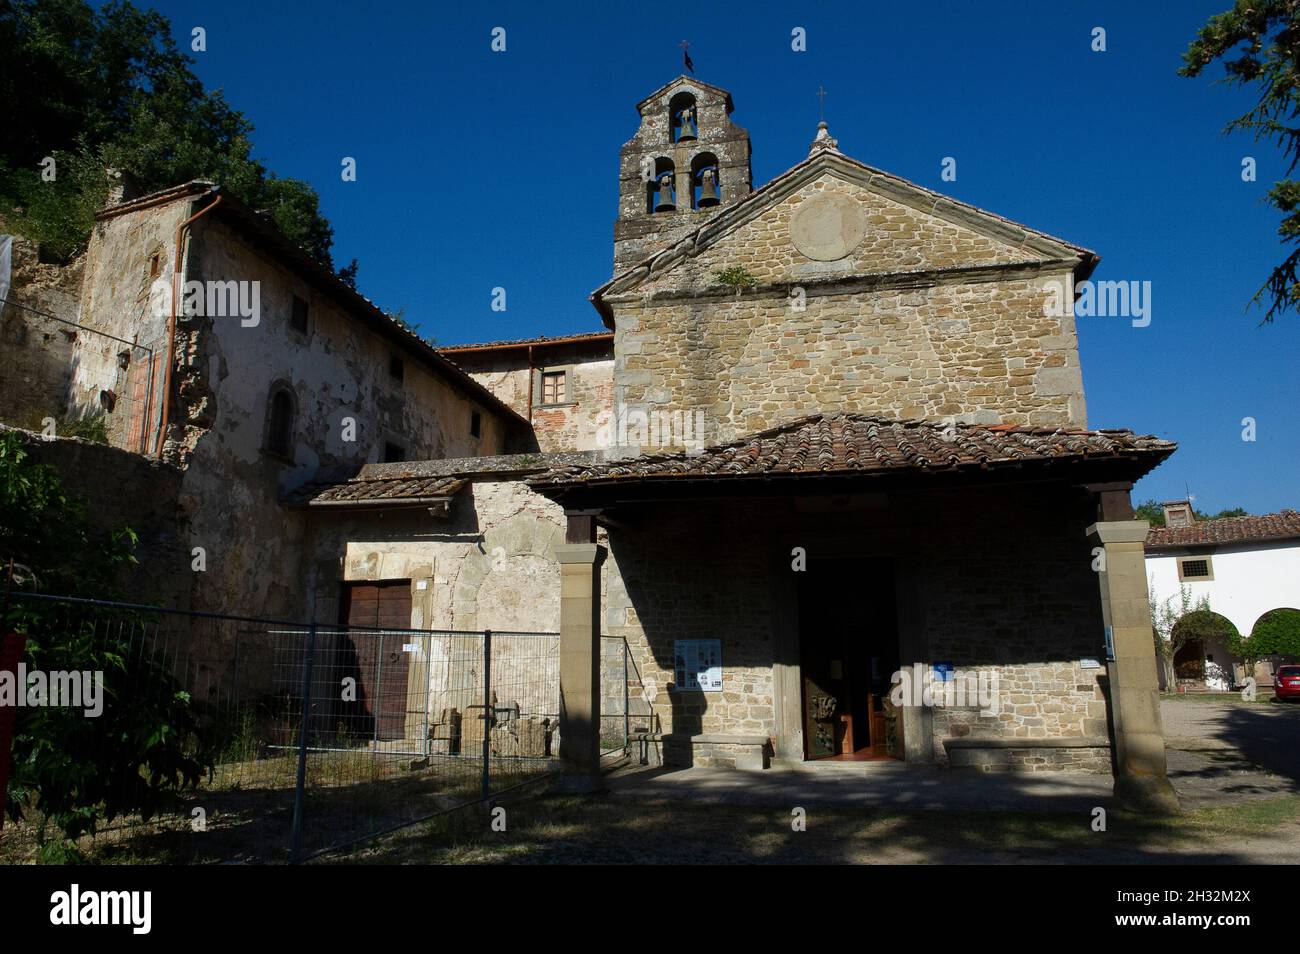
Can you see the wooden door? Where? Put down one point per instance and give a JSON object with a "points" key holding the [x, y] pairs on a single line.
{"points": [[379, 657]]}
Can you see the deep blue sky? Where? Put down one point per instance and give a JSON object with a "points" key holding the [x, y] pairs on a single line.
{"points": [[478, 169]]}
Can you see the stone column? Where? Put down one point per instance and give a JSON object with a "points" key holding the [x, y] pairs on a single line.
{"points": [[1140, 779], [580, 558]]}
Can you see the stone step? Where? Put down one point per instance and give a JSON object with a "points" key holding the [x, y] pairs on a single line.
{"points": [[864, 767]]}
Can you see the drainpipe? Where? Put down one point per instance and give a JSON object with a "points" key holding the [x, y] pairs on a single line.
{"points": [[171, 322], [530, 384]]}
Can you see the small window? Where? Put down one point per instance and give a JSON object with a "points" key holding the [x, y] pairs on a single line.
{"points": [[393, 453], [475, 424], [1195, 569], [396, 368], [553, 387], [279, 424], [298, 320], [155, 264]]}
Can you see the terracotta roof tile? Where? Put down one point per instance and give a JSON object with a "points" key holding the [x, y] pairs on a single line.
{"points": [[397, 491], [1270, 526], [583, 338], [857, 443]]}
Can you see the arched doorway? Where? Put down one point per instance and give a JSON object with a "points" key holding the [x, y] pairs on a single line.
{"points": [[1202, 658]]}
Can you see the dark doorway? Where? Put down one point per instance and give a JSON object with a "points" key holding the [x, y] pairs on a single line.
{"points": [[1189, 661], [848, 652], [377, 660]]}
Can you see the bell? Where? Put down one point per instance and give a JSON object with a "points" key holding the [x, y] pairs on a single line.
{"points": [[664, 201], [688, 132], [708, 189]]}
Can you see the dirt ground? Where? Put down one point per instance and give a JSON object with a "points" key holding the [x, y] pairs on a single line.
{"points": [[613, 829], [1234, 765]]}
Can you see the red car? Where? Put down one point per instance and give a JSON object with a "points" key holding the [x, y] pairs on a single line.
{"points": [[1286, 684]]}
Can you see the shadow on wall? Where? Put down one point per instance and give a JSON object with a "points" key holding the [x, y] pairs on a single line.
{"points": [[126, 489], [1000, 579]]}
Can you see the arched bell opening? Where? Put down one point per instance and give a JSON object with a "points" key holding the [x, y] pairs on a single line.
{"points": [[682, 118], [660, 191], [706, 186]]}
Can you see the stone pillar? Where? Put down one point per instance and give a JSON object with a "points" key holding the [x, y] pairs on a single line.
{"points": [[580, 558], [1140, 777]]}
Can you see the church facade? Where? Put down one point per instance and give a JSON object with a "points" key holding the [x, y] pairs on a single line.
{"points": [[830, 442]]}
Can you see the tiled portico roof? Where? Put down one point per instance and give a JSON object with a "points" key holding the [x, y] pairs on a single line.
{"points": [[411, 491], [1225, 530], [600, 337], [860, 444], [413, 482]]}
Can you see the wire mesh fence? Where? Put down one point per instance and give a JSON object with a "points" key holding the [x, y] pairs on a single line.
{"points": [[309, 736]]}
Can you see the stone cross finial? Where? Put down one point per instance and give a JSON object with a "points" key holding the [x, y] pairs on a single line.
{"points": [[823, 139]]}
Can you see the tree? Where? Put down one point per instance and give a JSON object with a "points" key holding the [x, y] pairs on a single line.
{"points": [[348, 275], [1151, 512], [1277, 632], [145, 747], [110, 88], [1259, 44], [1174, 626]]}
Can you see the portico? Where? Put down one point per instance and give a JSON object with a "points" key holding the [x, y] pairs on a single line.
{"points": [[972, 555]]}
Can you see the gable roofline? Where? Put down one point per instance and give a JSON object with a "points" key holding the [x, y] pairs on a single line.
{"points": [[828, 157], [683, 78], [267, 235]]}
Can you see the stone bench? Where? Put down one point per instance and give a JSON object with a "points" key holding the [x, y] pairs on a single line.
{"points": [[714, 749], [1069, 753]]}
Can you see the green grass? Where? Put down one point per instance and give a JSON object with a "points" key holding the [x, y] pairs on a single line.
{"points": [[1265, 697]]}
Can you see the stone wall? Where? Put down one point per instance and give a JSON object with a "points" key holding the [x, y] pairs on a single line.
{"points": [[994, 581], [97, 473], [339, 369], [638, 232], [37, 350], [489, 564], [987, 580], [127, 256], [582, 421], [966, 336]]}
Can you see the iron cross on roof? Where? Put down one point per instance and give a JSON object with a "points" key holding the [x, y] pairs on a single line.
{"points": [[821, 104]]}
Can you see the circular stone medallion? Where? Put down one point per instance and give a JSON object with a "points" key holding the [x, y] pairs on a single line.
{"points": [[828, 226]]}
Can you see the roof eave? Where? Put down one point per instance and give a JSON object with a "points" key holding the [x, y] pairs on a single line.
{"points": [[378, 503], [1138, 464]]}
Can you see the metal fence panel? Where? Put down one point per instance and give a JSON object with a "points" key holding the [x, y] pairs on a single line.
{"points": [[326, 735]]}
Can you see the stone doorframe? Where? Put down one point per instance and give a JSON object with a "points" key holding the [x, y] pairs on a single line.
{"points": [[787, 673]]}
